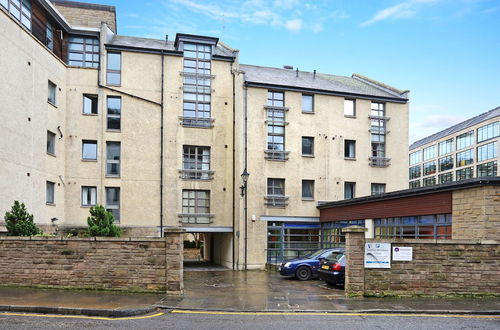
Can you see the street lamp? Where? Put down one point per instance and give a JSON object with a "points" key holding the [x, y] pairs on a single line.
{"points": [[244, 177]]}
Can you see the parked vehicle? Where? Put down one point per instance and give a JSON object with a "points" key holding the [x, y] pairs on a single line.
{"points": [[332, 268], [307, 267]]}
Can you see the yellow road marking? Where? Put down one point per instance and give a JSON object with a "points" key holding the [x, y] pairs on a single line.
{"points": [[336, 314], [84, 317]]}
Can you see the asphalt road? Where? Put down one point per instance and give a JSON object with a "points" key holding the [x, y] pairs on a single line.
{"points": [[254, 321]]}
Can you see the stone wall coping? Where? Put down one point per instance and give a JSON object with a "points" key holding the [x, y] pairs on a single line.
{"points": [[354, 229], [75, 239], [435, 241], [174, 230]]}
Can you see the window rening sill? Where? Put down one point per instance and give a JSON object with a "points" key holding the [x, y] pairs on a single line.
{"points": [[52, 104], [87, 206], [112, 176], [307, 199], [51, 154], [89, 114], [50, 204], [350, 158], [308, 112], [350, 116], [89, 160], [113, 130], [308, 156], [119, 85]]}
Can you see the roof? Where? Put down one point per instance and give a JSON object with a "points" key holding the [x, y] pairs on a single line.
{"points": [[354, 85], [84, 5], [457, 185], [159, 45], [456, 128]]}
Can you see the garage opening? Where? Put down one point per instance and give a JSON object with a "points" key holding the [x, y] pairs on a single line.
{"points": [[207, 251]]}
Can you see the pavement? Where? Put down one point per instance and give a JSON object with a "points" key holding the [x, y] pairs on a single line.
{"points": [[232, 291]]}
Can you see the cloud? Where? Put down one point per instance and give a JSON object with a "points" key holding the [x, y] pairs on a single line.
{"points": [[294, 25], [491, 10], [402, 10], [432, 124]]}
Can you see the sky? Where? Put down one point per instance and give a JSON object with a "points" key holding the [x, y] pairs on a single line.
{"points": [[446, 52]]}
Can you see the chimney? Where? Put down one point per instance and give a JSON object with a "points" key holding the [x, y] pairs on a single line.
{"points": [[288, 67]]}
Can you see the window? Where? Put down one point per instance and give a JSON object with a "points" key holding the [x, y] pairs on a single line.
{"points": [[89, 196], [465, 140], [114, 112], [349, 190], [445, 147], [90, 104], [113, 72], [196, 206], [307, 146], [465, 157], [445, 177], [378, 188], [465, 173], [415, 157], [20, 9], [196, 163], [487, 169], [415, 184], [378, 131], [84, 51], [488, 132], [429, 168], [197, 85], [429, 181], [51, 143], [487, 151], [308, 189], [50, 192], [349, 108], [276, 193], [420, 227], [307, 103], [445, 163], [349, 149], [89, 150], [52, 93], [275, 126], [49, 37], [415, 172], [429, 152], [113, 202], [113, 158]]}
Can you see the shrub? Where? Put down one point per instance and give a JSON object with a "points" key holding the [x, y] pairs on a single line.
{"points": [[101, 223], [19, 222]]}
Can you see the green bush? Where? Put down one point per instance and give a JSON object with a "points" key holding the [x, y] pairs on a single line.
{"points": [[19, 222], [101, 223]]}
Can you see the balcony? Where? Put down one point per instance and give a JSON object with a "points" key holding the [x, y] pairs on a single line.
{"points": [[276, 201], [379, 161], [196, 174], [378, 130], [197, 122], [280, 155], [196, 218], [197, 75], [379, 117]]}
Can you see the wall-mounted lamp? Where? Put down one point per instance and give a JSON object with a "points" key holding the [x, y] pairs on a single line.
{"points": [[244, 177]]}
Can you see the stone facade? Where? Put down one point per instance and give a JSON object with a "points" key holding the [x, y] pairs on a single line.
{"points": [[145, 265], [354, 247], [441, 267], [86, 14], [476, 213]]}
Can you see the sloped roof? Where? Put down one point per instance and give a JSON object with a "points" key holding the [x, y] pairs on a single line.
{"points": [[456, 128], [356, 84], [158, 45]]}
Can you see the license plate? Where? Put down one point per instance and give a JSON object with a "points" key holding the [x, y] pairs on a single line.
{"points": [[279, 269], [325, 267]]}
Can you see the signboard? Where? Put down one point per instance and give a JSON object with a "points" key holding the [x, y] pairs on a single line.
{"points": [[377, 255], [402, 253]]}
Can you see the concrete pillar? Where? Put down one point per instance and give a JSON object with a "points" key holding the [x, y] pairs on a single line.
{"points": [[355, 254], [175, 259], [370, 225]]}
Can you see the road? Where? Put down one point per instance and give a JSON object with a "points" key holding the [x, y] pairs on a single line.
{"points": [[178, 320]]}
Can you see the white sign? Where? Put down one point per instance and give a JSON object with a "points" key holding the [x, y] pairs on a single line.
{"points": [[377, 255], [402, 253]]}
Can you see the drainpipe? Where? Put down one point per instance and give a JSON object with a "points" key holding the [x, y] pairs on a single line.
{"points": [[161, 140], [234, 164], [245, 213]]}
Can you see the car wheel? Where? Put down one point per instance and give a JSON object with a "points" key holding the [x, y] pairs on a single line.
{"points": [[303, 273]]}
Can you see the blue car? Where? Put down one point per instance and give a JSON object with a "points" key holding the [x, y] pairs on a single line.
{"points": [[306, 267]]}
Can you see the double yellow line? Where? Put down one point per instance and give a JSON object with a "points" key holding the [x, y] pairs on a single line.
{"points": [[84, 317]]}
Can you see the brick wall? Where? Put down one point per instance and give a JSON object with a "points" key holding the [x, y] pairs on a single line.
{"points": [[101, 263], [442, 267], [476, 213]]}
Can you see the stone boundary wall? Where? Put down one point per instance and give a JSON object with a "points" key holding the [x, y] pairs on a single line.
{"points": [[132, 264], [439, 267]]}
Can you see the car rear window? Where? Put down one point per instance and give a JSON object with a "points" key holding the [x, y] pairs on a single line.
{"points": [[334, 256]]}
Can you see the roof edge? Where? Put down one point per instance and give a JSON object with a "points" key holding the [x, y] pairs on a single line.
{"points": [[378, 84]]}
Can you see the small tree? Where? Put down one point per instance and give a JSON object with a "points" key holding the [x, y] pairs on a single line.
{"points": [[19, 222], [101, 223]]}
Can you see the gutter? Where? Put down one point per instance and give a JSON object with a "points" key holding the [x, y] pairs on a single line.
{"points": [[162, 107], [234, 164]]}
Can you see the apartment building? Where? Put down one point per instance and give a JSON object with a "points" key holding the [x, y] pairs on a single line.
{"points": [[464, 151], [176, 133]]}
